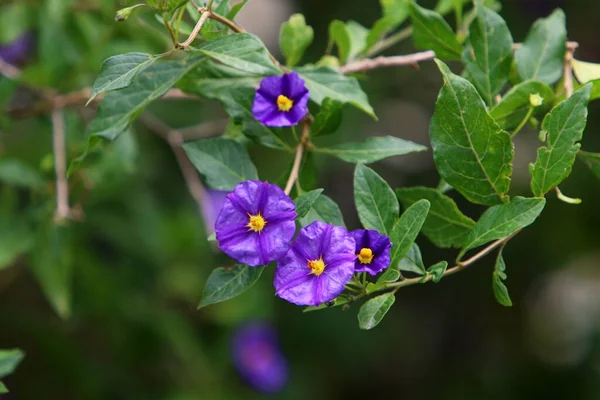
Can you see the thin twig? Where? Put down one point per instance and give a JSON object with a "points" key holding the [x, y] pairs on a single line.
{"points": [[8, 70], [63, 210], [395, 61], [568, 70], [295, 173], [204, 15]]}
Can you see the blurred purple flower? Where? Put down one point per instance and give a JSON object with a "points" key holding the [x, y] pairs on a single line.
{"points": [[317, 267], [211, 208], [372, 251], [17, 51], [281, 100], [258, 359]]}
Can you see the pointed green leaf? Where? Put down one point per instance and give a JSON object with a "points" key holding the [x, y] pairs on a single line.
{"points": [[294, 39], [3, 388], [329, 118], [503, 220], [376, 202], [372, 312], [585, 71], [446, 225], [16, 238], [565, 125], [305, 201], [236, 9], [213, 29], [591, 160], [407, 229], [15, 172], [488, 58], [323, 209], [438, 270], [413, 261], [470, 150], [499, 275], [389, 275], [9, 360], [371, 150], [227, 283], [339, 35], [224, 162], [432, 32], [338, 301], [395, 12], [515, 104], [542, 54]]}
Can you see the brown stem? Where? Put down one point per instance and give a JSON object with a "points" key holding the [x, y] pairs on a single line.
{"points": [[395, 61], [568, 70], [204, 15], [295, 173], [60, 166]]}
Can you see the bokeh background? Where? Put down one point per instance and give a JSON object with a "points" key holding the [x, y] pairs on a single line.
{"points": [[140, 258]]}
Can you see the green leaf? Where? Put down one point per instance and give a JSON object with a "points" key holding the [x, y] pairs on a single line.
{"points": [[9, 360], [390, 275], [395, 12], [376, 202], [515, 104], [339, 35], [227, 283], [324, 82], [371, 150], [118, 71], [500, 290], [294, 38], [3, 389], [165, 5], [432, 32], [488, 58], [565, 125], [585, 71], [446, 225], [305, 201], [503, 220], [329, 118], [323, 209], [372, 312], [15, 172], [413, 261], [16, 238], [407, 228], [224, 162], [591, 160], [470, 150], [542, 54], [446, 6], [236, 9], [213, 29], [437, 270], [338, 301], [358, 38]]}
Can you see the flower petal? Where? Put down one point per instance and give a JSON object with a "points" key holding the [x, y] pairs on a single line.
{"points": [[244, 248]]}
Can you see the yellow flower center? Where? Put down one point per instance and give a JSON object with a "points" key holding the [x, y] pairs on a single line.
{"points": [[317, 266], [256, 223], [284, 103], [365, 256]]}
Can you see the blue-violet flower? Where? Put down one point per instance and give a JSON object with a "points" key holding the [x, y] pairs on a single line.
{"points": [[372, 251], [256, 223], [318, 265], [281, 101]]}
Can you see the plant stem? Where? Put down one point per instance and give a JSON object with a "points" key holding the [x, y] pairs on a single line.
{"points": [[295, 173], [63, 210], [390, 41], [204, 15], [523, 122]]}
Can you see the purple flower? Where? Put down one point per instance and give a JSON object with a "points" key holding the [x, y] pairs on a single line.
{"points": [[18, 50], [258, 359], [256, 223], [317, 267], [372, 251], [281, 100], [211, 208]]}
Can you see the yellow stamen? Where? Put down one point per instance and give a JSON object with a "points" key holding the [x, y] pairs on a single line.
{"points": [[256, 223], [365, 256], [317, 266], [284, 103]]}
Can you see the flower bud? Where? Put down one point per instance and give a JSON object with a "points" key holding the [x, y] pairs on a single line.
{"points": [[535, 100]]}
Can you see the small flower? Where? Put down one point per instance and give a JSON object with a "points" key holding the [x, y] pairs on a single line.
{"points": [[318, 265], [211, 208], [372, 251], [535, 100], [257, 357], [256, 223], [17, 51], [281, 100]]}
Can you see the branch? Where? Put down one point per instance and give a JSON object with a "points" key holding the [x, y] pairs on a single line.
{"points": [[394, 61], [63, 211], [204, 15], [295, 173], [568, 70]]}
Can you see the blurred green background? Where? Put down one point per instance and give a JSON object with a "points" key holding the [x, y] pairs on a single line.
{"points": [[138, 261]]}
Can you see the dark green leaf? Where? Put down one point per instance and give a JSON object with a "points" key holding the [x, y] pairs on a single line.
{"points": [[432, 32], [371, 150], [15, 172], [503, 220], [515, 104], [488, 57], [224, 162], [227, 283], [323, 209], [165, 5], [413, 261], [328, 119], [499, 275], [542, 54], [407, 228], [338, 301], [9, 360], [294, 39], [470, 150], [16, 238], [372, 312], [376, 203], [565, 125], [305, 201], [592, 161], [437, 270]]}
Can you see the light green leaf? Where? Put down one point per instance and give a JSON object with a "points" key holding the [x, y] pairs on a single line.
{"points": [[358, 38], [585, 71], [16, 238], [118, 71], [371, 150], [438, 270], [407, 228], [470, 150], [372, 312], [503, 220], [213, 29], [323, 209], [413, 261], [446, 225], [294, 39], [565, 125], [329, 118], [15, 172], [305, 201], [499, 275], [376, 202], [446, 6], [488, 58], [591, 160], [224, 162], [9, 360], [3, 388], [542, 54], [227, 283], [324, 82], [339, 35], [515, 104], [166, 6], [432, 32], [236, 9], [389, 275]]}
